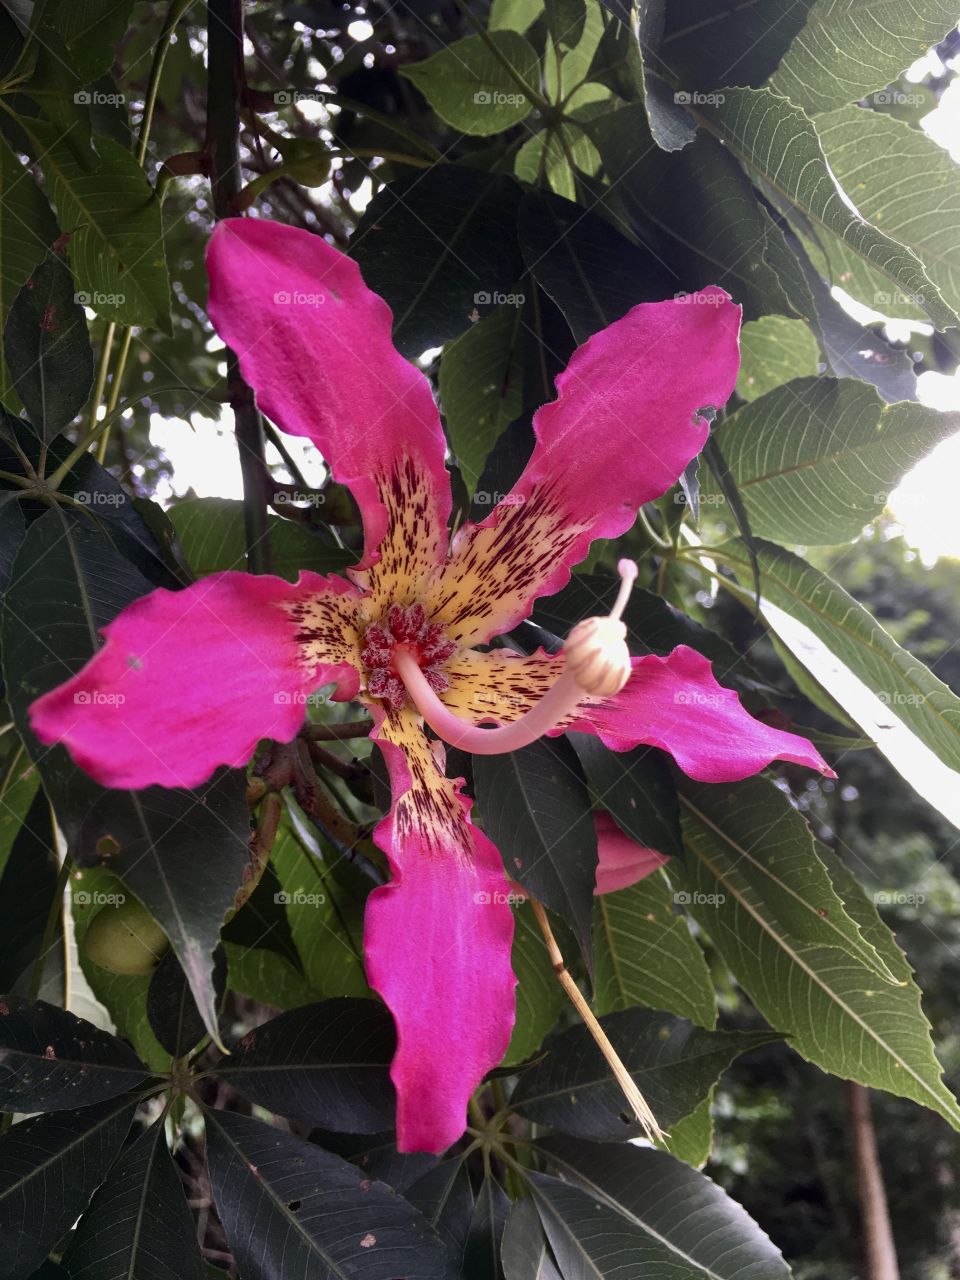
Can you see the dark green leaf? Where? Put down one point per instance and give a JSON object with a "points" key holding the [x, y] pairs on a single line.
{"points": [[659, 1218], [778, 144], [181, 853], [28, 887], [138, 1225], [48, 350], [636, 787], [534, 806], [774, 350], [524, 1251], [326, 1063], [438, 246], [51, 1060], [674, 1064], [837, 1011], [816, 460], [49, 1167], [481, 1255], [292, 1211], [592, 271], [445, 1198], [171, 1009], [481, 387]]}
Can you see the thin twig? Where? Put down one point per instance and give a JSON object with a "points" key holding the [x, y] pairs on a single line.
{"points": [[623, 1077]]}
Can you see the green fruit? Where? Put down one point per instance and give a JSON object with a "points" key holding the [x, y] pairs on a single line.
{"points": [[306, 160], [125, 939]]}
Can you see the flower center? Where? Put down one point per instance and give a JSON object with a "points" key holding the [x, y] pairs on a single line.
{"points": [[406, 626]]}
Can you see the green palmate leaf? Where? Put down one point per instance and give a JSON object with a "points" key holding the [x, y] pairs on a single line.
{"points": [[651, 1216], [774, 350], [91, 29], [27, 231], [437, 246], [49, 1167], [525, 1252], [671, 125], [703, 210], [514, 15], [112, 214], [851, 350], [292, 1211], [171, 1009], [674, 1064], [211, 534], [845, 48], [691, 1139], [445, 1197], [181, 853], [53, 1061], [138, 1225], [326, 1063], [708, 46], [29, 884], [534, 806], [47, 349], [815, 460], [902, 181], [898, 703], [787, 875], [636, 787], [481, 1253], [266, 976], [469, 83], [592, 271], [481, 387], [539, 996], [17, 793], [644, 954], [323, 895], [778, 145], [838, 1013]]}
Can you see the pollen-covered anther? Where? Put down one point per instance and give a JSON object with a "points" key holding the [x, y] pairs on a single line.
{"points": [[597, 657]]}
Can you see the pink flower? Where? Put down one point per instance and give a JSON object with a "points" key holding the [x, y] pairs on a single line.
{"points": [[200, 675], [621, 861]]}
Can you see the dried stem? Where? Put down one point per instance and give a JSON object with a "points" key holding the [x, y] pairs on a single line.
{"points": [[633, 1095]]}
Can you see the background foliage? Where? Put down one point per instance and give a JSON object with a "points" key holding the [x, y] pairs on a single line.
{"points": [[511, 178]]}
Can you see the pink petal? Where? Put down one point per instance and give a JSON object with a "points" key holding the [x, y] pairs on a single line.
{"points": [[437, 942], [622, 861], [190, 680], [676, 703], [316, 346], [624, 426]]}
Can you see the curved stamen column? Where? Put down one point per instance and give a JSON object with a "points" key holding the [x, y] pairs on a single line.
{"points": [[596, 661]]}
